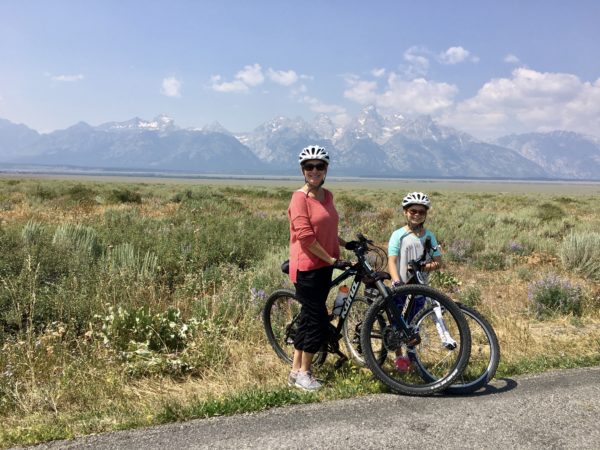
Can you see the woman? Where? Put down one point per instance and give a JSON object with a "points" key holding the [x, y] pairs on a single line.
{"points": [[314, 250]]}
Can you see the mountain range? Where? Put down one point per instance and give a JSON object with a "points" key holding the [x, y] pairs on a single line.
{"points": [[371, 145]]}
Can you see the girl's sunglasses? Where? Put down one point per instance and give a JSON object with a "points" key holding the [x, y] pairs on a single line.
{"points": [[320, 167]]}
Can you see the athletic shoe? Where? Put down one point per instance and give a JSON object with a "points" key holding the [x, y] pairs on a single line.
{"points": [[402, 364], [306, 382], [292, 377]]}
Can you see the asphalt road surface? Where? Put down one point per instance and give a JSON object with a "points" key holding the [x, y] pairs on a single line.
{"points": [[558, 409]]}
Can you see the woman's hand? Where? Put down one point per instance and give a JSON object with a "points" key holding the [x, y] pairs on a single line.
{"points": [[341, 264]]}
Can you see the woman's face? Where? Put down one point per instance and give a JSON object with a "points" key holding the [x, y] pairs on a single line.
{"points": [[415, 214], [314, 171]]}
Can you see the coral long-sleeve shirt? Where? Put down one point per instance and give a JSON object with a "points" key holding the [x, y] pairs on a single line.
{"points": [[310, 221]]}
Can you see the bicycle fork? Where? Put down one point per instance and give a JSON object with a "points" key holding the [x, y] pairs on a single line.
{"points": [[440, 326]]}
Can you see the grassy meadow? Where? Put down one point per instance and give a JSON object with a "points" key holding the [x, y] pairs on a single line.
{"points": [[127, 303]]}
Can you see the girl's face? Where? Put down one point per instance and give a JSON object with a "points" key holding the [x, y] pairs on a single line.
{"points": [[314, 171], [415, 215]]}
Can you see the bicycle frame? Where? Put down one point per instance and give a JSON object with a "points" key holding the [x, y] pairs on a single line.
{"points": [[358, 279]]}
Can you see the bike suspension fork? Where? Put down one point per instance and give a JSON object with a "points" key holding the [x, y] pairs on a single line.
{"points": [[441, 328]]}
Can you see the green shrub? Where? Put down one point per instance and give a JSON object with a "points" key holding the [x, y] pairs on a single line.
{"points": [[124, 196], [124, 259], [470, 296], [32, 233], [82, 194], [44, 192], [78, 238], [445, 281], [180, 196], [525, 273], [490, 261], [460, 250], [353, 204], [580, 252], [147, 342], [549, 211], [552, 295]]}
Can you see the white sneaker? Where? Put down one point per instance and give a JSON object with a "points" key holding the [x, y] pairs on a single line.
{"points": [[306, 382], [292, 377]]}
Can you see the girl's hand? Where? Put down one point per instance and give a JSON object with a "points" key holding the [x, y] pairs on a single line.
{"points": [[431, 266]]}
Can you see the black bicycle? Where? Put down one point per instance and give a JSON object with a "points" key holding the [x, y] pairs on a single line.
{"points": [[281, 309], [485, 349], [388, 324]]}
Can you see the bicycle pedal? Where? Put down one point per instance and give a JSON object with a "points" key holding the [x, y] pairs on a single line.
{"points": [[413, 340], [340, 362]]}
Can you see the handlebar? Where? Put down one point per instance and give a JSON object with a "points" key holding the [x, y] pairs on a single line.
{"points": [[360, 251], [416, 265]]}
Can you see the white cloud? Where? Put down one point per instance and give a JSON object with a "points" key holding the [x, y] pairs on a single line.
{"points": [[299, 90], [378, 72], [285, 78], [511, 59], [67, 78], [417, 96], [530, 101], [230, 86], [171, 87], [251, 75], [320, 107], [455, 55], [360, 91], [417, 59]]}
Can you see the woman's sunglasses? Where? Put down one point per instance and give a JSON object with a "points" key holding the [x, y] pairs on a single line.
{"points": [[320, 167]]}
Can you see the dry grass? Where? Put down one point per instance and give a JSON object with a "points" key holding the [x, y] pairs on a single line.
{"points": [[96, 394]]}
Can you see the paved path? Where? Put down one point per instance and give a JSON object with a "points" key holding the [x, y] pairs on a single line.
{"points": [[554, 410]]}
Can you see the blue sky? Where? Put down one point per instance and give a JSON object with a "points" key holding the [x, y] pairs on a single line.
{"points": [[485, 67]]}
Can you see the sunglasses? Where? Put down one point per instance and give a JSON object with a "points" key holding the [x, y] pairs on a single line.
{"points": [[320, 167], [414, 212]]}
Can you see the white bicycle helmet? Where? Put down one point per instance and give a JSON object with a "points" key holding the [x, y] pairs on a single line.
{"points": [[416, 198], [313, 152]]}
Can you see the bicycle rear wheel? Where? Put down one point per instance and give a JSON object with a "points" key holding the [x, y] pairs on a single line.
{"points": [[280, 316], [485, 354], [441, 355]]}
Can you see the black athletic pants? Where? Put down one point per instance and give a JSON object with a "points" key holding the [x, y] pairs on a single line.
{"points": [[312, 287]]}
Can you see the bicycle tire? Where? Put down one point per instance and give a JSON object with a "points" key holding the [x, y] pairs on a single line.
{"points": [[485, 353], [351, 329], [279, 319], [442, 363]]}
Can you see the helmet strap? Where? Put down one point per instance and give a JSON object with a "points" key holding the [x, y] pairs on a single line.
{"points": [[311, 187]]}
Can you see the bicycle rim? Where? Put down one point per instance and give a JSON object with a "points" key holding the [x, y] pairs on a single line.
{"points": [[280, 316], [485, 354], [432, 356]]}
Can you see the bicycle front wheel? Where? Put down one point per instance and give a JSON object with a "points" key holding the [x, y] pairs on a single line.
{"points": [[280, 319], [441, 351]]}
